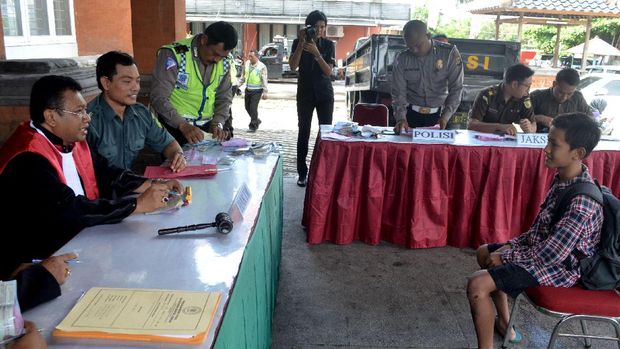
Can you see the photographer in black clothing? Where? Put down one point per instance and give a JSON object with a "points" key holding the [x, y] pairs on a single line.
{"points": [[314, 55]]}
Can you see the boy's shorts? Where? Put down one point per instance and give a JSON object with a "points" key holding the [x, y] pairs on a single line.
{"points": [[509, 278]]}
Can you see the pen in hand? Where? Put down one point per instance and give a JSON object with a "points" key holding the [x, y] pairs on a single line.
{"points": [[70, 262]]}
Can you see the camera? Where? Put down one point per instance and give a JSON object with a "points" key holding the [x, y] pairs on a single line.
{"points": [[310, 32]]}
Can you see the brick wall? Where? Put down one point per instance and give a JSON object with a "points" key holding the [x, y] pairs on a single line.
{"points": [[2, 49], [155, 23], [346, 43], [102, 26]]}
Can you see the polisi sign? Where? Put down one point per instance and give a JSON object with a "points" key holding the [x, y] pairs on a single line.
{"points": [[426, 135]]}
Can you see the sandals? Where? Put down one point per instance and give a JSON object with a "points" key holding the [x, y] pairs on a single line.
{"points": [[518, 335]]}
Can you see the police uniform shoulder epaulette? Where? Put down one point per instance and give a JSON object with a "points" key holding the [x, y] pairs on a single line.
{"points": [[443, 45], [180, 48]]}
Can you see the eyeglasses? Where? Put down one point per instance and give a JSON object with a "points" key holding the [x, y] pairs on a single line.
{"points": [[82, 114]]}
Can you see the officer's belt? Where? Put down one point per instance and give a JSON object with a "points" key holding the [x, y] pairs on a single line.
{"points": [[424, 110], [196, 122]]}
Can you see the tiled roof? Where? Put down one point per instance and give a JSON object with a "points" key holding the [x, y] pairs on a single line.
{"points": [[600, 7]]}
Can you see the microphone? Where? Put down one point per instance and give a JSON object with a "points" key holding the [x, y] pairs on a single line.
{"points": [[223, 223]]}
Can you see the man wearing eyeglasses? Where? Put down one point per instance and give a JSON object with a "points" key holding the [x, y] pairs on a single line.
{"points": [[497, 108], [120, 126], [192, 90], [54, 186]]}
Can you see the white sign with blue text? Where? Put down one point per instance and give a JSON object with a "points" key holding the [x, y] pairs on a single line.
{"points": [[534, 140], [433, 136]]}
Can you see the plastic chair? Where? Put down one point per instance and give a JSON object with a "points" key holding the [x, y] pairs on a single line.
{"points": [[371, 114], [572, 303]]}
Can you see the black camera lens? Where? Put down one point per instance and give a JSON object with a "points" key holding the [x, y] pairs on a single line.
{"points": [[310, 32]]}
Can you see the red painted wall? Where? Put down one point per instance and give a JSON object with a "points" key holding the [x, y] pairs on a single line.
{"points": [[346, 43], [102, 26], [250, 37], [2, 49], [155, 23]]}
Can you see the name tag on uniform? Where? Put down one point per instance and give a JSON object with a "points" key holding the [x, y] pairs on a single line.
{"points": [[426, 135], [538, 140]]}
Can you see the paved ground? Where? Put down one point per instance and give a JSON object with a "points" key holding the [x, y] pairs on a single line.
{"points": [[279, 120], [360, 296]]}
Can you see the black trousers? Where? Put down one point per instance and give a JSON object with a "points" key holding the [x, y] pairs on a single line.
{"points": [[415, 119], [252, 98], [305, 109]]}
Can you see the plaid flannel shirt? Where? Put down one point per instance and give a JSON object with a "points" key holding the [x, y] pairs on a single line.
{"points": [[550, 253]]}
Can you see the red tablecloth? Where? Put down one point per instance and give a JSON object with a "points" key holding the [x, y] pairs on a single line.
{"points": [[430, 195]]}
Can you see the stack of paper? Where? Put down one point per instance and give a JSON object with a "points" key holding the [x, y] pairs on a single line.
{"points": [[141, 315]]}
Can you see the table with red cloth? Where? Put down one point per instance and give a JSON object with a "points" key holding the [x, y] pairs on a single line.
{"points": [[424, 195]]}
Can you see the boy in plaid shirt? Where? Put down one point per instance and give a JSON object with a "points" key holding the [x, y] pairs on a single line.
{"points": [[546, 254]]}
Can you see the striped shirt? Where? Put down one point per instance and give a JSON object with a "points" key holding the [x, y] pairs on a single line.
{"points": [[550, 253]]}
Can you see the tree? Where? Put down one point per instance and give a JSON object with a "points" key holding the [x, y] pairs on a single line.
{"points": [[454, 28], [420, 13], [542, 37], [507, 32]]}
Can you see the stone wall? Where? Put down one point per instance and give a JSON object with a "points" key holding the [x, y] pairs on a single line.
{"points": [[17, 78]]}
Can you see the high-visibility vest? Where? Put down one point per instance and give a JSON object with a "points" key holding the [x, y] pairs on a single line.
{"points": [[191, 98], [253, 75]]}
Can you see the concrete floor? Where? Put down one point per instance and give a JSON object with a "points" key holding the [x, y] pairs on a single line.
{"points": [[386, 296]]}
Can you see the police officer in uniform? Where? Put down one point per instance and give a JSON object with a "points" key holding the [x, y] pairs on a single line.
{"points": [[496, 108], [427, 80], [191, 90], [562, 97]]}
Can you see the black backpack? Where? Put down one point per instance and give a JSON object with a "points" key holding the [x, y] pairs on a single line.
{"points": [[602, 270]]}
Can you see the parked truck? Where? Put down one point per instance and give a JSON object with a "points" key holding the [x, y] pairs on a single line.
{"points": [[369, 70], [275, 57]]}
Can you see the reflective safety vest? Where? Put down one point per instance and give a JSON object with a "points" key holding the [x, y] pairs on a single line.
{"points": [[253, 76], [192, 98]]}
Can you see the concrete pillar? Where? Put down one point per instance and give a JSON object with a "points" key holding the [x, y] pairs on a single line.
{"points": [[102, 26], [155, 23]]}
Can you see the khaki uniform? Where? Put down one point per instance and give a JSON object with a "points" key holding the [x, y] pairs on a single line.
{"points": [[544, 103], [428, 82], [490, 107]]}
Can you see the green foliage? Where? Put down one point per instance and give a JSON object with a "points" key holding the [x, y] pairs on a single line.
{"points": [[507, 32], [541, 37], [454, 28], [420, 13]]}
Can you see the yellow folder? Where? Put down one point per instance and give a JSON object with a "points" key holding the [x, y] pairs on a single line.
{"points": [[141, 315]]}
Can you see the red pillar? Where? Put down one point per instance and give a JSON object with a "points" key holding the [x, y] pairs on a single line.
{"points": [[250, 37], [155, 23], [2, 49], [102, 26]]}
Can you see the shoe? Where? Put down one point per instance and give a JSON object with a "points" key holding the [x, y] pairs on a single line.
{"points": [[302, 181], [251, 130]]}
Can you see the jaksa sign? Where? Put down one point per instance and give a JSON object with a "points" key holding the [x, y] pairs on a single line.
{"points": [[538, 140], [443, 136]]}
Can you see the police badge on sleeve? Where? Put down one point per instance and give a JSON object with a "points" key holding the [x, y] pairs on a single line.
{"points": [[170, 63]]}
